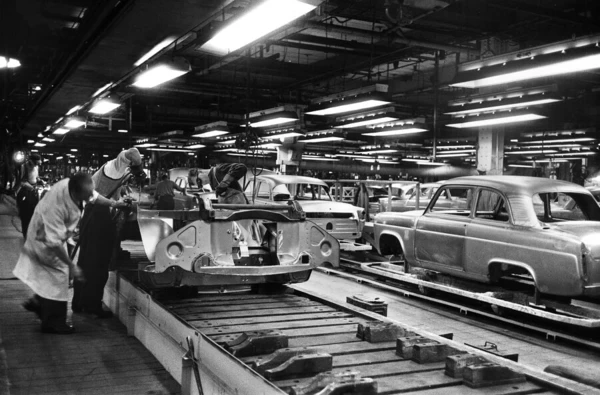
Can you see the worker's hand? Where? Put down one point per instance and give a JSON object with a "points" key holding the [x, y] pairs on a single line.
{"points": [[78, 273], [221, 188]]}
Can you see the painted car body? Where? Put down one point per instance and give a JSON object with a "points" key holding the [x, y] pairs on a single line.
{"points": [[342, 220], [222, 244], [500, 225]]}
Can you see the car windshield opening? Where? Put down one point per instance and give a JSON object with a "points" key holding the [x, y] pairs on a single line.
{"points": [[558, 206], [309, 192]]}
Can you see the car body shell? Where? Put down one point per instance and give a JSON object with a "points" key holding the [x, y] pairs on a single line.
{"points": [[233, 245], [562, 256], [342, 220], [407, 201]]}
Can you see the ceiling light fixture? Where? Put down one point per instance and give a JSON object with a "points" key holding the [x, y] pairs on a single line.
{"points": [[211, 130], [61, 131], [395, 131], [102, 89], [349, 101], [256, 23], [145, 145], [381, 151], [273, 116], [39, 145], [9, 63], [72, 110], [282, 136], [167, 149], [156, 49], [320, 158], [366, 121], [508, 104], [123, 131], [74, 122], [195, 146], [581, 56], [530, 152], [325, 139], [497, 121], [104, 106], [162, 72], [48, 139]]}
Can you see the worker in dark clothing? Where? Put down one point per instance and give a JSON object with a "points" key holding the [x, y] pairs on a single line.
{"points": [[226, 175], [165, 193], [98, 238], [27, 196]]}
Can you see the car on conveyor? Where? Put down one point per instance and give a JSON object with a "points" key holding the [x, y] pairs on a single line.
{"points": [[342, 220], [502, 225], [232, 245]]}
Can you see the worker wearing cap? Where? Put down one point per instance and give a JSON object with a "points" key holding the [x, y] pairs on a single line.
{"points": [[98, 237], [27, 197]]}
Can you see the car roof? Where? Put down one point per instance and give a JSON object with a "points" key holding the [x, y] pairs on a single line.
{"points": [[518, 185], [287, 179]]}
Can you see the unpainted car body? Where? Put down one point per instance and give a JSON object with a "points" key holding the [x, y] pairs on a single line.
{"points": [[501, 225], [408, 200], [341, 220], [223, 244]]}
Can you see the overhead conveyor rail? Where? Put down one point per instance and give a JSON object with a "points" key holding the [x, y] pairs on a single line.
{"points": [[288, 336]]}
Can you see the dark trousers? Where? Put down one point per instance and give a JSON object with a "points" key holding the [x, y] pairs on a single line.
{"points": [[97, 242], [52, 312], [27, 199], [166, 202]]}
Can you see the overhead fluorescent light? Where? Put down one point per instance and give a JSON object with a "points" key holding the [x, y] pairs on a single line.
{"points": [[583, 63], [122, 130], [250, 154], [102, 89], [9, 63], [556, 141], [272, 116], [60, 131], [256, 23], [531, 152], [195, 146], [312, 140], [395, 132], [458, 151], [453, 154], [39, 145], [59, 157], [30, 141], [360, 122], [74, 122], [226, 142], [350, 101], [161, 73], [381, 151], [145, 145], [319, 158], [507, 106], [282, 136], [72, 110], [211, 130], [156, 49], [48, 139], [525, 166], [277, 120], [73, 149], [104, 106], [414, 160], [431, 164], [383, 161], [497, 121], [582, 153], [166, 149]]}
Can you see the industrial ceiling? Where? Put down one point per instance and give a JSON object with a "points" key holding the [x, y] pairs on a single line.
{"points": [[70, 49]]}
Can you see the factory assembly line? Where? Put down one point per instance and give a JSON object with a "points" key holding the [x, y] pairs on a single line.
{"points": [[213, 307]]}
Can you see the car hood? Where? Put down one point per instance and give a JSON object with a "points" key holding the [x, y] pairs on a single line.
{"points": [[319, 206], [587, 231]]}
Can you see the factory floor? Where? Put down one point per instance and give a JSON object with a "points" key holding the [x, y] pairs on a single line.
{"points": [[99, 358]]}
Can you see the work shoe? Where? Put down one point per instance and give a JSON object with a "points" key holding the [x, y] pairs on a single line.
{"points": [[99, 313], [61, 329]]}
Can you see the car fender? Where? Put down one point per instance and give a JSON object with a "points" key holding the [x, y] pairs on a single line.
{"points": [[523, 265]]}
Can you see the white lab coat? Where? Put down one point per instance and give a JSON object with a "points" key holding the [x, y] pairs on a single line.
{"points": [[54, 221]]}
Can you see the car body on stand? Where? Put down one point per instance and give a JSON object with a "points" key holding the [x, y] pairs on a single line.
{"points": [[342, 220], [222, 245], [408, 200], [498, 226]]}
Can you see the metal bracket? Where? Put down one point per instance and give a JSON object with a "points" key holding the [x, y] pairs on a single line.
{"points": [[256, 343], [348, 383]]}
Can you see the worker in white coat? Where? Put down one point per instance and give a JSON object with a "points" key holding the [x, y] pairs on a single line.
{"points": [[44, 263]]}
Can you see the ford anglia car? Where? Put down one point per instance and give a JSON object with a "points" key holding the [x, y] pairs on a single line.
{"points": [[341, 220], [496, 226]]}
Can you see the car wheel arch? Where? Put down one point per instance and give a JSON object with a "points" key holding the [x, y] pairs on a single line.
{"points": [[394, 245], [496, 264]]}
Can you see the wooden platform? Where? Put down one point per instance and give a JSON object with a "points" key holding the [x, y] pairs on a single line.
{"points": [[98, 359]]}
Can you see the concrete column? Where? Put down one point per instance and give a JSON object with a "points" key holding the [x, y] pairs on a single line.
{"points": [[490, 155]]}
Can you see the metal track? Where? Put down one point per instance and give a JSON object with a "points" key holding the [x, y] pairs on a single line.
{"points": [[168, 326], [435, 293]]}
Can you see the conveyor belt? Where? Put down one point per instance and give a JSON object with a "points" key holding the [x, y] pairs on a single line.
{"points": [[163, 323]]}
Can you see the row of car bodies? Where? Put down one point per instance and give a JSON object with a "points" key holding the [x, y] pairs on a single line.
{"points": [[486, 227]]}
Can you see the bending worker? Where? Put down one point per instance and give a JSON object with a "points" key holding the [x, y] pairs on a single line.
{"points": [[98, 237], [27, 197], [44, 263], [224, 179], [165, 195]]}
